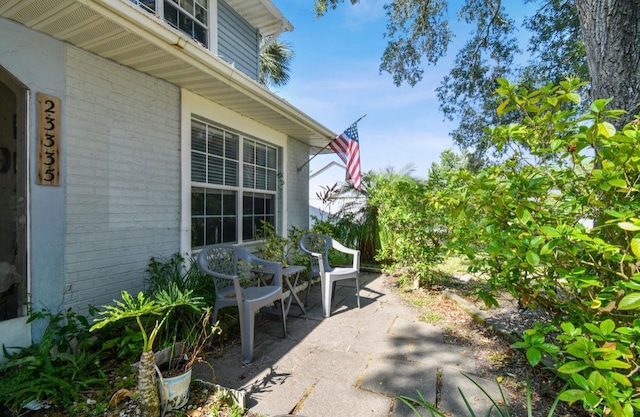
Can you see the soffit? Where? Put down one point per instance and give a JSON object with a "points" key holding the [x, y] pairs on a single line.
{"points": [[123, 32], [262, 14]]}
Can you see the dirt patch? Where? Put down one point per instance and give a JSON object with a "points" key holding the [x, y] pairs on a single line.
{"points": [[494, 357]]}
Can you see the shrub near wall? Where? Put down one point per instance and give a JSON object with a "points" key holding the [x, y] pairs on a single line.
{"points": [[526, 224], [411, 227]]}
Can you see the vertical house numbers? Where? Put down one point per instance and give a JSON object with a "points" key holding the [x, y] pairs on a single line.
{"points": [[49, 119]]}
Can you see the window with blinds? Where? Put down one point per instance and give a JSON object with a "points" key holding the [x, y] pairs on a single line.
{"points": [[223, 210]]}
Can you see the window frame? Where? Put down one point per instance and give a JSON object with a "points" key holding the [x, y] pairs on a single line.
{"points": [[241, 189], [159, 9]]}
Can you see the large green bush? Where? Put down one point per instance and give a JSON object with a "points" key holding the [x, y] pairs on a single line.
{"points": [[413, 224], [557, 224]]}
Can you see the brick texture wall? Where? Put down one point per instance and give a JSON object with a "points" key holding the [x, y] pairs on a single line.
{"points": [[122, 150]]}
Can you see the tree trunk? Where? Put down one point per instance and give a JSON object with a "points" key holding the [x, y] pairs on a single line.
{"points": [[611, 32], [147, 388]]}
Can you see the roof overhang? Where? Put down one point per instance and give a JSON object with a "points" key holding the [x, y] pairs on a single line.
{"points": [[123, 32], [262, 14]]}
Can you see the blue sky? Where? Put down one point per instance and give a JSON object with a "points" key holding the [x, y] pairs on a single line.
{"points": [[335, 79]]}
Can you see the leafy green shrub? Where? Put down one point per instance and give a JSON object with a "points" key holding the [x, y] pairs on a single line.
{"points": [[282, 249], [182, 274], [526, 226], [412, 228], [59, 369]]}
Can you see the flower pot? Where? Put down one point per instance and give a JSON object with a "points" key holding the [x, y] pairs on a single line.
{"points": [[174, 391]]}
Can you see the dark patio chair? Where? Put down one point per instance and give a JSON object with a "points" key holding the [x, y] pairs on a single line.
{"points": [[227, 265]]}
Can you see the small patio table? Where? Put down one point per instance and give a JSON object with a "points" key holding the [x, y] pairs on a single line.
{"points": [[289, 272]]}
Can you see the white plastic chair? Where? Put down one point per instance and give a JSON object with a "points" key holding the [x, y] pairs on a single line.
{"points": [[317, 247], [223, 263]]}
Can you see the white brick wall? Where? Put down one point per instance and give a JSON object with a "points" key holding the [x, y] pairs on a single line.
{"points": [[297, 185], [122, 149]]}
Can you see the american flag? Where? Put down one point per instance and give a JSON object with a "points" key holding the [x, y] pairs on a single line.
{"points": [[347, 146]]}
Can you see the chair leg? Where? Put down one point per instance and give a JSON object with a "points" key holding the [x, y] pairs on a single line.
{"points": [[214, 316], [327, 294], [284, 319], [358, 291], [247, 330], [306, 297]]}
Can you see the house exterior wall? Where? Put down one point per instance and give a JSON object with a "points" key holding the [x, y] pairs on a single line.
{"points": [[297, 185], [123, 177], [37, 61], [237, 40], [125, 191]]}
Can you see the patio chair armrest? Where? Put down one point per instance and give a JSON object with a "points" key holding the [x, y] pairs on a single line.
{"points": [[308, 252], [355, 252]]}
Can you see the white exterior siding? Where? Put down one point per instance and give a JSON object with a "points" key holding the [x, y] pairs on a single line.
{"points": [[123, 177], [238, 42]]}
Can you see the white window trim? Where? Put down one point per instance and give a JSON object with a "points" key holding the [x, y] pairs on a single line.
{"points": [[212, 21], [194, 105]]}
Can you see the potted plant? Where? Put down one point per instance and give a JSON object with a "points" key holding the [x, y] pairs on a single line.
{"points": [[150, 314], [174, 363]]}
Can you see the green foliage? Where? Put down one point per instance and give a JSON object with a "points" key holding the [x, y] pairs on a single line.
{"points": [[182, 274], [525, 225], [59, 369], [355, 224], [499, 407], [282, 249], [412, 228], [158, 309], [275, 61]]}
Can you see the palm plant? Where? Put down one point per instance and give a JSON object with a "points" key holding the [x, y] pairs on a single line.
{"points": [[275, 58], [140, 308]]}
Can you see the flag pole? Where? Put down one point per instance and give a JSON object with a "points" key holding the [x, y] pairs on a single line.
{"points": [[325, 146]]}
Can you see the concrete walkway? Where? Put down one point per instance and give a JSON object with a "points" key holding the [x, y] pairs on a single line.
{"points": [[354, 363]]}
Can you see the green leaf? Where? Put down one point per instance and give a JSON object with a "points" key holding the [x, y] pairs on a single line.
{"points": [[630, 301], [523, 214], [622, 379], [568, 327], [628, 226], [533, 258], [618, 182], [607, 327], [606, 129], [536, 241], [580, 381], [573, 366], [611, 364], [635, 245], [575, 97], [533, 356], [555, 144], [550, 231], [572, 395], [501, 107], [577, 352]]}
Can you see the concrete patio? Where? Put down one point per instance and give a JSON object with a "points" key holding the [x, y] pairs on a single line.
{"points": [[354, 363]]}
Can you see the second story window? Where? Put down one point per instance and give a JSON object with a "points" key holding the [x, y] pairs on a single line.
{"points": [[189, 16]]}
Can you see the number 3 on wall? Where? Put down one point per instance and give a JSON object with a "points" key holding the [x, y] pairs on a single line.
{"points": [[5, 160]]}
